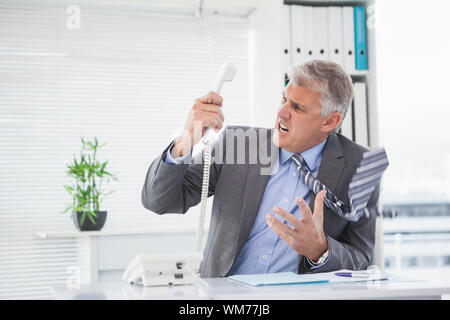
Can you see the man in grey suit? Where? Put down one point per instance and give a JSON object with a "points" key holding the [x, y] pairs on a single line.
{"points": [[261, 221]]}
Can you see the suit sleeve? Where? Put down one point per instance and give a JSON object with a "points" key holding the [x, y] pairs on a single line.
{"points": [[174, 188], [354, 248]]}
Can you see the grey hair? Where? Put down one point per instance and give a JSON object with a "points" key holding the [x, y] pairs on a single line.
{"points": [[334, 84]]}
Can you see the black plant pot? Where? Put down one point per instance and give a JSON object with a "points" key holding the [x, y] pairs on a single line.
{"points": [[88, 225]]}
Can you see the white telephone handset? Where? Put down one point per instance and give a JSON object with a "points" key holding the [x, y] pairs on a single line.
{"points": [[179, 269], [226, 74]]}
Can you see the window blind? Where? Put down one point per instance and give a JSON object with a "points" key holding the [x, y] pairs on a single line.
{"points": [[128, 76]]}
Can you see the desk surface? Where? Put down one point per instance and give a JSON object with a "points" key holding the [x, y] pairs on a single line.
{"points": [[224, 289]]}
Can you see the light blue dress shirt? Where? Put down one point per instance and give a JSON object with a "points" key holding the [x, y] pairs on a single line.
{"points": [[264, 251]]}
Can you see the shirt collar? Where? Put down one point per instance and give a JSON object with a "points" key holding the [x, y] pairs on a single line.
{"points": [[311, 156]]}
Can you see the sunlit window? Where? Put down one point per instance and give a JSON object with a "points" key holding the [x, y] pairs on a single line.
{"points": [[412, 70]]}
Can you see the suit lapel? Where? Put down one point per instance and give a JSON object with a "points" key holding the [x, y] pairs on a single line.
{"points": [[256, 182], [330, 170]]}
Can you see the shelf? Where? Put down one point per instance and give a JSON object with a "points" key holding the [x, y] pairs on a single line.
{"points": [[328, 2], [117, 232], [359, 73]]}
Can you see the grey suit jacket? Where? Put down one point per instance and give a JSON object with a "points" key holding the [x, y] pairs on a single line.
{"points": [[238, 189]]}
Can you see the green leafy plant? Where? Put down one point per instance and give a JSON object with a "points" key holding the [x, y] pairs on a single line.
{"points": [[88, 174]]}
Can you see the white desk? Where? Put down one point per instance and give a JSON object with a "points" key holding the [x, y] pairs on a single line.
{"points": [[224, 289]]}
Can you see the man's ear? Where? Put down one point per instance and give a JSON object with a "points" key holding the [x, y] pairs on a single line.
{"points": [[331, 121]]}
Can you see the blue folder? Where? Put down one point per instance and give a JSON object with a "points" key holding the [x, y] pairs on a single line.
{"points": [[360, 39], [270, 279], [289, 278]]}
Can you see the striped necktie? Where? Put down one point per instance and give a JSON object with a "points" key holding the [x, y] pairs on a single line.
{"points": [[367, 176]]}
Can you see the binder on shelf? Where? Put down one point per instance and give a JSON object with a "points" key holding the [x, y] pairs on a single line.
{"points": [[299, 50], [360, 38], [286, 42], [309, 33], [335, 35], [360, 114], [347, 124], [348, 23], [320, 32]]}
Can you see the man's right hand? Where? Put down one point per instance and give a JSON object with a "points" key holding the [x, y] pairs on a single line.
{"points": [[206, 112]]}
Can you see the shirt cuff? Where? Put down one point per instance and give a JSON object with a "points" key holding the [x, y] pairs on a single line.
{"points": [[168, 158], [313, 265]]}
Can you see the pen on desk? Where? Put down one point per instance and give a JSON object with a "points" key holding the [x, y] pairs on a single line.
{"points": [[351, 275]]}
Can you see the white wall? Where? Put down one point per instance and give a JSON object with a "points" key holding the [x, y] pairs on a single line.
{"points": [[266, 76]]}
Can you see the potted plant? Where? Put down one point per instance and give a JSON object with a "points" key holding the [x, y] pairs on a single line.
{"points": [[86, 190]]}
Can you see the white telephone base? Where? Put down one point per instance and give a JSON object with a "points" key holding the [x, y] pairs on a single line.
{"points": [[163, 270]]}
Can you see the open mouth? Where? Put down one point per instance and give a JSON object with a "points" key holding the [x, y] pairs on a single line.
{"points": [[282, 128]]}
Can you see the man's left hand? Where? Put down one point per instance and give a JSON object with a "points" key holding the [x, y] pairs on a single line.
{"points": [[307, 236]]}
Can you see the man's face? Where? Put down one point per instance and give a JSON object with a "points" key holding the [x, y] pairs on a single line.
{"points": [[299, 125]]}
